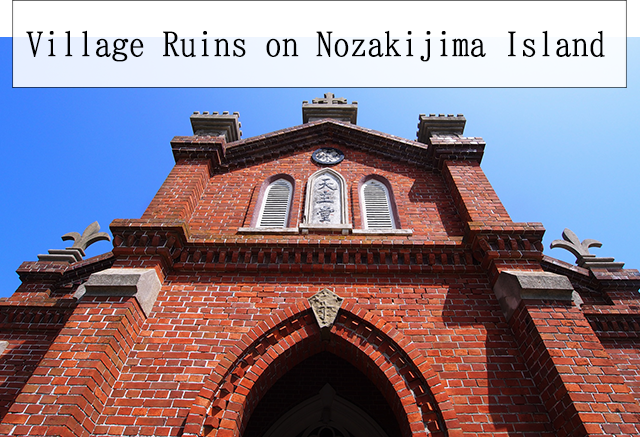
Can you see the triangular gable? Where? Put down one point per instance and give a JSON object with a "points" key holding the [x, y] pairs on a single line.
{"points": [[261, 148]]}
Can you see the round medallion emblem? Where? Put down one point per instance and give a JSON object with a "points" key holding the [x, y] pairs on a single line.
{"points": [[327, 156]]}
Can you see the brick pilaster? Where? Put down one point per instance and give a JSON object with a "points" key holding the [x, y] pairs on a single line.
{"points": [[67, 392], [474, 196], [180, 192], [580, 385]]}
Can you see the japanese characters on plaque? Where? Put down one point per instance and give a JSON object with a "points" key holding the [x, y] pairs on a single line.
{"points": [[326, 200]]}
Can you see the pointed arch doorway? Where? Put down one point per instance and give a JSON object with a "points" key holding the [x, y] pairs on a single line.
{"points": [[326, 415], [323, 396]]}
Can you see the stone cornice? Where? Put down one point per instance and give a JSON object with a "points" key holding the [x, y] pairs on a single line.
{"points": [[594, 278], [173, 246], [614, 322], [35, 315], [59, 273], [484, 244], [455, 149], [505, 241]]}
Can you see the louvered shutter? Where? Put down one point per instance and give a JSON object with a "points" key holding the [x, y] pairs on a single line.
{"points": [[275, 208], [377, 207]]}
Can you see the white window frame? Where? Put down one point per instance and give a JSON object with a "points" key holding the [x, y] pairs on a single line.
{"points": [[265, 200], [389, 205]]}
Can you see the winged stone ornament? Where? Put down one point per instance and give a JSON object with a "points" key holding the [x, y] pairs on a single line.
{"points": [[75, 253], [580, 249], [572, 243], [90, 235]]}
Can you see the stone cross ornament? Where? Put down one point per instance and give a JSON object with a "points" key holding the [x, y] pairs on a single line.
{"points": [[329, 106], [325, 305], [330, 99]]}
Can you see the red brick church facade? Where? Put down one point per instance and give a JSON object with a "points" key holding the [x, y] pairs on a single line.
{"points": [[322, 280]]}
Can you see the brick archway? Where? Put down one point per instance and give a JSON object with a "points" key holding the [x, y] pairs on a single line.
{"points": [[234, 388]]}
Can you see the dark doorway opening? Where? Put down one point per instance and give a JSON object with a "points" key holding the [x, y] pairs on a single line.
{"points": [[323, 396]]}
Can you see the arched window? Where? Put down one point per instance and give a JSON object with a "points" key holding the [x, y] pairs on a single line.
{"points": [[276, 205], [377, 205]]}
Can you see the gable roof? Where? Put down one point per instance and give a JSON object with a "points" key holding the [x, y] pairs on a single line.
{"points": [[242, 153]]}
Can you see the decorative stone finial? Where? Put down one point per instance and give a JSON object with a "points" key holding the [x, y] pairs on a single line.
{"points": [[325, 305], [329, 107], [584, 258], [90, 235], [215, 124], [75, 253], [330, 99], [439, 125]]}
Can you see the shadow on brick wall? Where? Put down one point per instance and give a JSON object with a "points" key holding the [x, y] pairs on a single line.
{"points": [[18, 362], [487, 378]]}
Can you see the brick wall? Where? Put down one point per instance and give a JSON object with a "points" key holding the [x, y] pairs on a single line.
{"points": [[19, 360], [421, 342], [181, 191], [456, 327], [580, 385], [625, 354], [67, 391], [229, 200]]}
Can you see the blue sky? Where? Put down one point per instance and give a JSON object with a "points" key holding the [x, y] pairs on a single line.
{"points": [[563, 157]]}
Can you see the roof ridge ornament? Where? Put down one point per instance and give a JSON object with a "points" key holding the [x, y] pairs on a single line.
{"points": [[584, 258], [215, 124], [440, 125], [329, 99], [329, 106], [90, 235]]}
